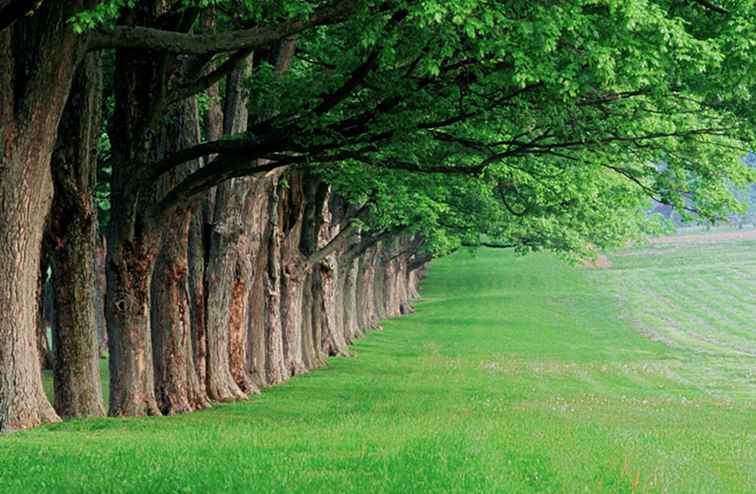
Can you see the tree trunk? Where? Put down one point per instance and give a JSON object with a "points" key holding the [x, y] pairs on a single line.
{"points": [[258, 221], [177, 385], [139, 81], [276, 370], [348, 271], [198, 247], [221, 280], [101, 287], [25, 197], [293, 276], [130, 267], [34, 83], [327, 287], [366, 316], [72, 238], [178, 388], [228, 275]]}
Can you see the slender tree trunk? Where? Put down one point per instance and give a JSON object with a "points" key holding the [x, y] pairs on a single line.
{"points": [[72, 238], [199, 242], [101, 287], [44, 347], [197, 293]]}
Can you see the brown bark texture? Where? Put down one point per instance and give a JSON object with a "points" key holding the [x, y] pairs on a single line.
{"points": [[38, 55], [71, 245]]}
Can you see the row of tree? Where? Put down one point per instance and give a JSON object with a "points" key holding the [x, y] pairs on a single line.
{"points": [[272, 177]]}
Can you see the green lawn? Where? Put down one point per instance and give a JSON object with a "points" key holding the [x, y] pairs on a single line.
{"points": [[514, 375]]}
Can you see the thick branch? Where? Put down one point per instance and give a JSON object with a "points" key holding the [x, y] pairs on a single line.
{"points": [[419, 261], [219, 170], [146, 38], [359, 75], [204, 82], [333, 245], [366, 242]]}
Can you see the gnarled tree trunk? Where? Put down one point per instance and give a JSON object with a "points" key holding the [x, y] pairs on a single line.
{"points": [[38, 57]]}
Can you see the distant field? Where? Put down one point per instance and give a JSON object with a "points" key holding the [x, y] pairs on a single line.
{"points": [[515, 375], [696, 293]]}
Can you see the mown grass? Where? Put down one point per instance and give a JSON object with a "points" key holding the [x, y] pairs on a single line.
{"points": [[514, 375], [699, 299]]}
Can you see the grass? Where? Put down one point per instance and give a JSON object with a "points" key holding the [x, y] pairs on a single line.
{"points": [[515, 375], [700, 300]]}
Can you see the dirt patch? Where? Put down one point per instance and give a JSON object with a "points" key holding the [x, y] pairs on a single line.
{"points": [[601, 262], [706, 237]]}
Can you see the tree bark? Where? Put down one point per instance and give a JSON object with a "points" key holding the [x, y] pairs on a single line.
{"points": [[38, 55], [130, 267], [134, 238], [327, 287], [71, 240], [257, 230], [229, 272], [177, 385], [293, 276], [178, 388], [276, 370], [221, 280]]}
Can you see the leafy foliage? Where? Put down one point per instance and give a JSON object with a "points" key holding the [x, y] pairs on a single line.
{"points": [[538, 124]]}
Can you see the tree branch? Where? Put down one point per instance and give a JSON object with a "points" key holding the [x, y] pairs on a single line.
{"points": [[204, 82], [710, 6], [366, 242], [219, 170], [146, 38]]}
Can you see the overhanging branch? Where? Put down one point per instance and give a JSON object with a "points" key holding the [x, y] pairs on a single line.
{"points": [[146, 38]]}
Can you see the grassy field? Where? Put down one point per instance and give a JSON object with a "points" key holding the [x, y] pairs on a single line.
{"points": [[515, 375]]}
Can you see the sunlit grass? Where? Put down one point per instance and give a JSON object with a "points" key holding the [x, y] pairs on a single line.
{"points": [[514, 375]]}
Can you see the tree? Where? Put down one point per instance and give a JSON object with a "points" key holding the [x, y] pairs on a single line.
{"points": [[71, 247], [38, 55]]}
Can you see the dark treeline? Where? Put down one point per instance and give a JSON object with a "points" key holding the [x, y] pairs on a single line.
{"points": [[217, 198]]}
